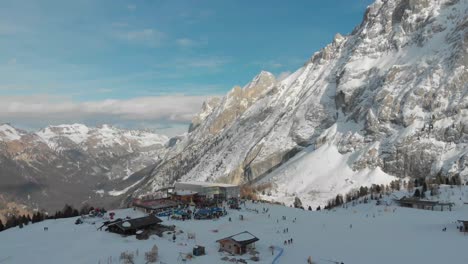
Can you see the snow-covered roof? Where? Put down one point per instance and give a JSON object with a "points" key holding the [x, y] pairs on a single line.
{"points": [[185, 192], [244, 238], [207, 184], [137, 223]]}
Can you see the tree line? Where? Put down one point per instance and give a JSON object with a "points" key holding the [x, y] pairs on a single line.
{"points": [[66, 212], [417, 186]]}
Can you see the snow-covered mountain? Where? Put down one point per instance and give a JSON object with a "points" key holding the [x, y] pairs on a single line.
{"points": [[388, 100], [73, 163]]}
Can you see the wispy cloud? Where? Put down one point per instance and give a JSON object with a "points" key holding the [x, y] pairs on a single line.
{"points": [[279, 65], [12, 61], [170, 110], [146, 36], [186, 42], [7, 28], [205, 62], [119, 24], [104, 90], [270, 64], [131, 7], [282, 75]]}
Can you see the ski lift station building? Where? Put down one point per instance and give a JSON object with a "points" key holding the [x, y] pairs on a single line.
{"points": [[209, 189]]}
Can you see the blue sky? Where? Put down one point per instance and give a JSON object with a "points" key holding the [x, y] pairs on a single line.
{"points": [[92, 52]]}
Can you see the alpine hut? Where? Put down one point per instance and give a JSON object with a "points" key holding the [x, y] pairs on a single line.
{"points": [[238, 244], [131, 226]]}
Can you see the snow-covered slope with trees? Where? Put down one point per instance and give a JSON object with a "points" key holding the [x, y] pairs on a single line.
{"points": [[363, 233], [390, 97]]}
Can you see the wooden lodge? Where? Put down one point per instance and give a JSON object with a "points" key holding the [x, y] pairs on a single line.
{"points": [[185, 196], [131, 226], [155, 205], [238, 244], [209, 190], [417, 203]]}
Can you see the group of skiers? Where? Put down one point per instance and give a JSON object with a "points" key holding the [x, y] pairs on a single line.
{"points": [[288, 242]]}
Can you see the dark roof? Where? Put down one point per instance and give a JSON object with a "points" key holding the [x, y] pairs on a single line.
{"points": [[417, 201], [155, 204], [137, 223], [243, 238]]}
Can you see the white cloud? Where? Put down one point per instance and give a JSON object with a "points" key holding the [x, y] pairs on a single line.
{"points": [[7, 28], [119, 24], [282, 75], [41, 110], [104, 90], [12, 61], [208, 62], [147, 36], [186, 42]]}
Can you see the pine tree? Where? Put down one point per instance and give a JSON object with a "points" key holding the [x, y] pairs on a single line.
{"points": [[424, 187], [2, 227], [417, 193], [11, 222], [85, 209], [24, 220], [297, 202], [67, 211]]}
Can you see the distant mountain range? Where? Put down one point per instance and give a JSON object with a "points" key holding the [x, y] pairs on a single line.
{"points": [[72, 163]]}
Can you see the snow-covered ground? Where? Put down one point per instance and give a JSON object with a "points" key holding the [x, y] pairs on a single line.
{"points": [[379, 234], [318, 175]]}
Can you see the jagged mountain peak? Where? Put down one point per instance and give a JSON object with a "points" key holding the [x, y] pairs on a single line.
{"points": [[9, 133], [217, 114]]}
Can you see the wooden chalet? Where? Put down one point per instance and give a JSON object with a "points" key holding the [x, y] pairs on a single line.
{"points": [[413, 202], [155, 205], [184, 196], [238, 244], [131, 226]]}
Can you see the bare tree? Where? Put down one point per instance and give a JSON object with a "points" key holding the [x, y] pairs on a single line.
{"points": [[152, 255], [127, 258]]}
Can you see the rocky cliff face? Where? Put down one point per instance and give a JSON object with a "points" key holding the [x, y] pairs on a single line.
{"points": [[72, 163], [390, 96]]}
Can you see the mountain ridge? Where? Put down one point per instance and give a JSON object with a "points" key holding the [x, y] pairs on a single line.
{"points": [[391, 95], [73, 163]]}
